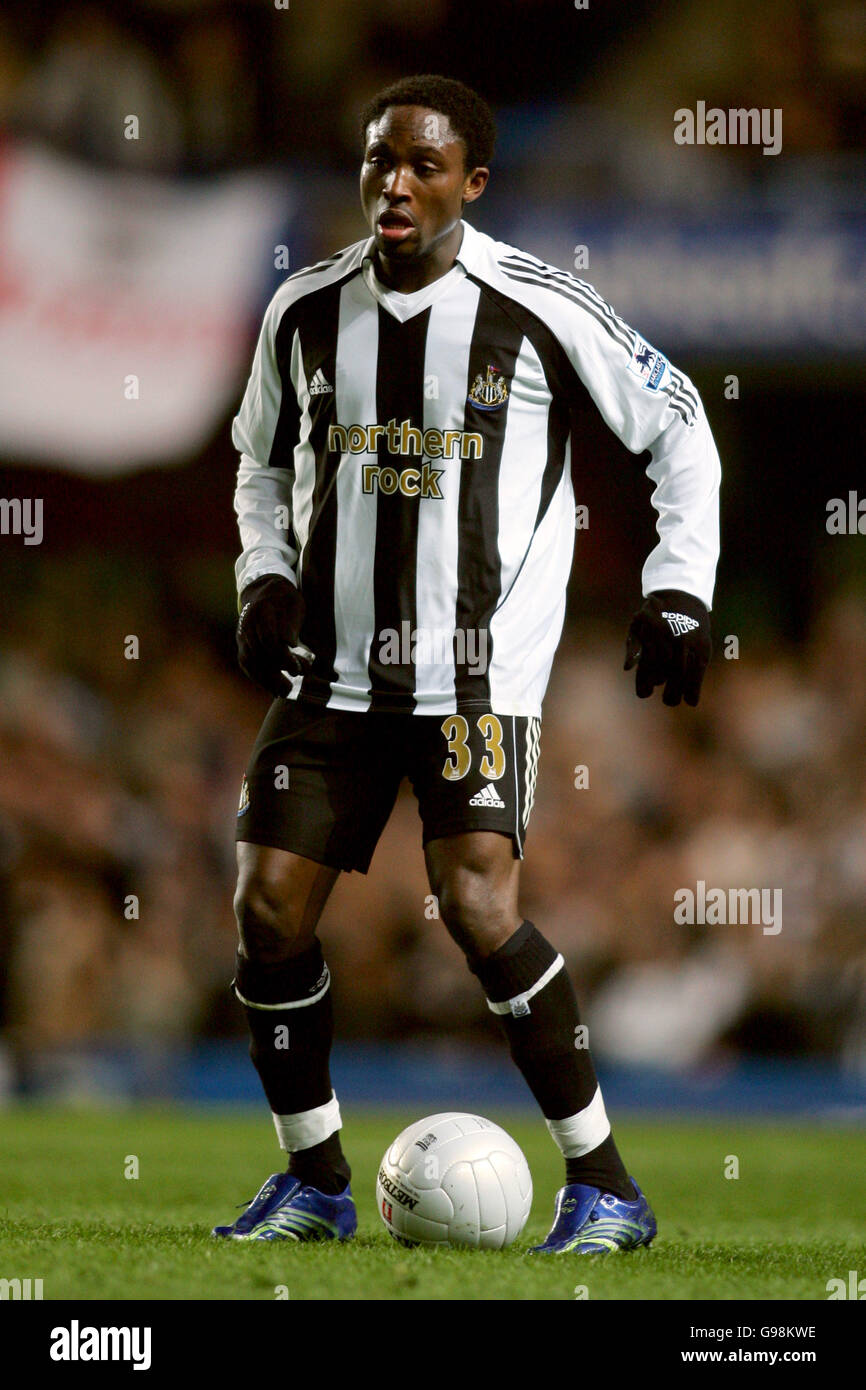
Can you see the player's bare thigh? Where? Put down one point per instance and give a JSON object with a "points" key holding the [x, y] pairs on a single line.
{"points": [[476, 878], [278, 902]]}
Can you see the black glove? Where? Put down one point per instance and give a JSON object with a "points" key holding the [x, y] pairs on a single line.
{"points": [[272, 611], [669, 639]]}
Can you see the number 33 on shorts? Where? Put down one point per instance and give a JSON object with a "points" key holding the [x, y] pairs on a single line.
{"points": [[456, 730], [494, 759]]}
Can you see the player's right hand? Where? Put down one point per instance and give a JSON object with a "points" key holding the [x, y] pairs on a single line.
{"points": [[270, 651]]}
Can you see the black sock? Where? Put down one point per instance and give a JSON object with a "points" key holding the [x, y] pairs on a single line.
{"points": [[290, 1049], [323, 1166], [599, 1169], [541, 1031]]}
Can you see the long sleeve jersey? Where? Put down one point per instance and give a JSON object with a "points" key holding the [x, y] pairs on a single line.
{"points": [[406, 460]]}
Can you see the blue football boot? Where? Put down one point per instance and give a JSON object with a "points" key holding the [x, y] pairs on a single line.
{"points": [[284, 1209], [590, 1222]]}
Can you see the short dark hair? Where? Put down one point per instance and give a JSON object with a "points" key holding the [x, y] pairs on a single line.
{"points": [[469, 115]]}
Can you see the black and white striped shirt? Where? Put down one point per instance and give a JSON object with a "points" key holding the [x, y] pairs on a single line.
{"points": [[406, 460]]}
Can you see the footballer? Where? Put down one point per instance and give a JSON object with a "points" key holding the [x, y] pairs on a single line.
{"points": [[413, 418]]}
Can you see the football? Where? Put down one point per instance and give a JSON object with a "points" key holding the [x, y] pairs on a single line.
{"points": [[454, 1179]]}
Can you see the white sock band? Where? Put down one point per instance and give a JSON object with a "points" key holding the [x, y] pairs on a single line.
{"points": [[309, 1127], [293, 1003], [519, 1005], [579, 1134]]}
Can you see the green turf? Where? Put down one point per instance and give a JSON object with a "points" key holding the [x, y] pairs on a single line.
{"points": [[791, 1221]]}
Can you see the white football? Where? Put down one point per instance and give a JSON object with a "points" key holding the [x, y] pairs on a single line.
{"points": [[454, 1179]]}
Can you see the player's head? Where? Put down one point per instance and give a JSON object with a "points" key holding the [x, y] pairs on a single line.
{"points": [[427, 144]]}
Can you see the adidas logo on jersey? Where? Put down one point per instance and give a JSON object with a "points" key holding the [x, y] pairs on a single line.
{"points": [[679, 624], [319, 386], [488, 796]]}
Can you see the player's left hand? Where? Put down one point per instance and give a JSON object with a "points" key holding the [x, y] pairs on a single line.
{"points": [[669, 641]]}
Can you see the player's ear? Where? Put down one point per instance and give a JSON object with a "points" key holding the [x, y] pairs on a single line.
{"points": [[475, 184]]}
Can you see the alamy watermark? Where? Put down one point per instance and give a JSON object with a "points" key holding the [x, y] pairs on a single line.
{"points": [[77, 1343], [735, 907], [22, 516], [855, 1287], [846, 516], [737, 126], [16, 1290], [434, 646]]}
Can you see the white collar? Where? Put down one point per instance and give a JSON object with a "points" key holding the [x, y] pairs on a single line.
{"points": [[471, 248], [405, 306]]}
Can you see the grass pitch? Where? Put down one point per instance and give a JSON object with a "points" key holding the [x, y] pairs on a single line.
{"points": [[69, 1215]]}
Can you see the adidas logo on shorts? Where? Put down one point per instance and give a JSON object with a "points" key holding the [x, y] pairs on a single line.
{"points": [[488, 796]]}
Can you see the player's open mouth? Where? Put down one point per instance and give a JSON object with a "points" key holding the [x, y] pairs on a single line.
{"points": [[395, 226]]}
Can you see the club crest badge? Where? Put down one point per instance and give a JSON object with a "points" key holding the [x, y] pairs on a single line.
{"points": [[244, 804], [489, 392]]}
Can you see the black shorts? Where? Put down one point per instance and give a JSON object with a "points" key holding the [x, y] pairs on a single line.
{"points": [[322, 783]]}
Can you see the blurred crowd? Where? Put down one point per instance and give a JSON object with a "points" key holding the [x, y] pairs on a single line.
{"points": [[218, 84], [119, 780]]}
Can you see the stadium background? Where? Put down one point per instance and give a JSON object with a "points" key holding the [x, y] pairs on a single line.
{"points": [[120, 776]]}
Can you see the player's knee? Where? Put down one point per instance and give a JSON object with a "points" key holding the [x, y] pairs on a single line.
{"points": [[268, 922], [478, 910], [460, 905]]}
